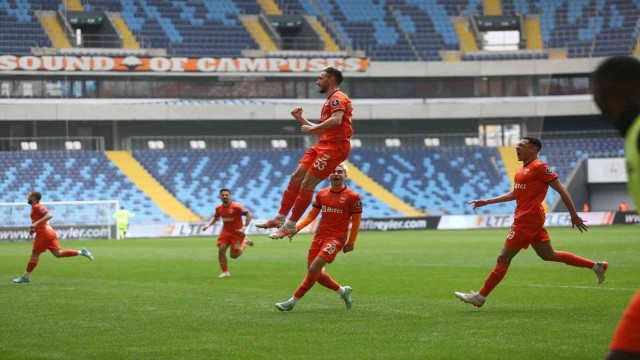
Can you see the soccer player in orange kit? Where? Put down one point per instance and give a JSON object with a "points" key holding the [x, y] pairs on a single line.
{"points": [[532, 181], [335, 130], [233, 231], [46, 238], [338, 205]]}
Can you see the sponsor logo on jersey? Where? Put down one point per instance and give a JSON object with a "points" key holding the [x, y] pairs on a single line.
{"points": [[342, 199], [519, 186], [332, 210], [526, 171], [227, 219]]}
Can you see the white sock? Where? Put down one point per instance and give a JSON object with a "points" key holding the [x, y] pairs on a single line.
{"points": [[293, 300], [595, 267], [290, 224], [79, 252], [26, 275], [281, 217]]}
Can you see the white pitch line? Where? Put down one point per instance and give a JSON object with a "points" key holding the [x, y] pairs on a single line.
{"points": [[581, 287]]}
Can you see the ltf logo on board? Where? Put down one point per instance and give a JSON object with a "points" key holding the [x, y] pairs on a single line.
{"points": [[176, 64]]}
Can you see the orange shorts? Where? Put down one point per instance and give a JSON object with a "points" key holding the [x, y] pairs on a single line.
{"points": [[232, 240], [627, 335], [521, 237], [327, 248], [45, 241], [322, 158]]}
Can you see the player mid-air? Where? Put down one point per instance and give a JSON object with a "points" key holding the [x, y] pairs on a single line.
{"points": [[335, 130]]}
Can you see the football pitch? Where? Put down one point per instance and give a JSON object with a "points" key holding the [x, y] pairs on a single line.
{"points": [[160, 299]]}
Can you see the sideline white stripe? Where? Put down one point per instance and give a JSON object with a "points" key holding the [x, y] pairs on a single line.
{"points": [[580, 287]]}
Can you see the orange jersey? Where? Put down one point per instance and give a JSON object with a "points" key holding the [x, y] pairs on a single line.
{"points": [[627, 335], [336, 209], [530, 188], [38, 211], [231, 216], [338, 101]]}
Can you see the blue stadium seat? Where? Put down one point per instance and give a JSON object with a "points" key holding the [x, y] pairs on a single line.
{"points": [[73, 176], [257, 178]]}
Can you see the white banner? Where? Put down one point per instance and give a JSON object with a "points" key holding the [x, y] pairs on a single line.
{"points": [[612, 170], [195, 229], [451, 222]]}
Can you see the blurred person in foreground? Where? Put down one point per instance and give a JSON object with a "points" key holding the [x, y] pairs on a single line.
{"points": [[616, 91]]}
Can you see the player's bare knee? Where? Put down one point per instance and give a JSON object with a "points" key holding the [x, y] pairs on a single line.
{"points": [[234, 255], [548, 256]]}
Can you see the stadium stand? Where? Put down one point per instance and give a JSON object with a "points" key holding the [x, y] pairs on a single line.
{"points": [[20, 28], [438, 178], [257, 178], [564, 154], [392, 30], [71, 176]]}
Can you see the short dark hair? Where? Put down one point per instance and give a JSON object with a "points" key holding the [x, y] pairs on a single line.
{"points": [[621, 69], [225, 189], [534, 141], [334, 73], [36, 195]]}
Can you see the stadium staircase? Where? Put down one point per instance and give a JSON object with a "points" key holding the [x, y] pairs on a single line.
{"points": [[269, 7], [492, 7], [258, 33], [533, 32], [329, 43], [72, 5], [53, 29], [380, 192], [128, 39], [150, 186], [465, 36]]}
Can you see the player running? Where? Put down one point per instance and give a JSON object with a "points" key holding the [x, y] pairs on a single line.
{"points": [[46, 238], [335, 130], [338, 205], [233, 231], [532, 181]]}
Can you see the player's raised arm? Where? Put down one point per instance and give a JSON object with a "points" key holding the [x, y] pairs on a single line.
{"points": [[576, 221], [510, 196]]}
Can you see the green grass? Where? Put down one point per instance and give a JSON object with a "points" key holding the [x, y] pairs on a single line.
{"points": [[160, 299]]}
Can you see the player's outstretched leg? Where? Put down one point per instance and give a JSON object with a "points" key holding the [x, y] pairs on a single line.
{"points": [[472, 298], [345, 294], [287, 305], [600, 268], [271, 223], [86, 253]]}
